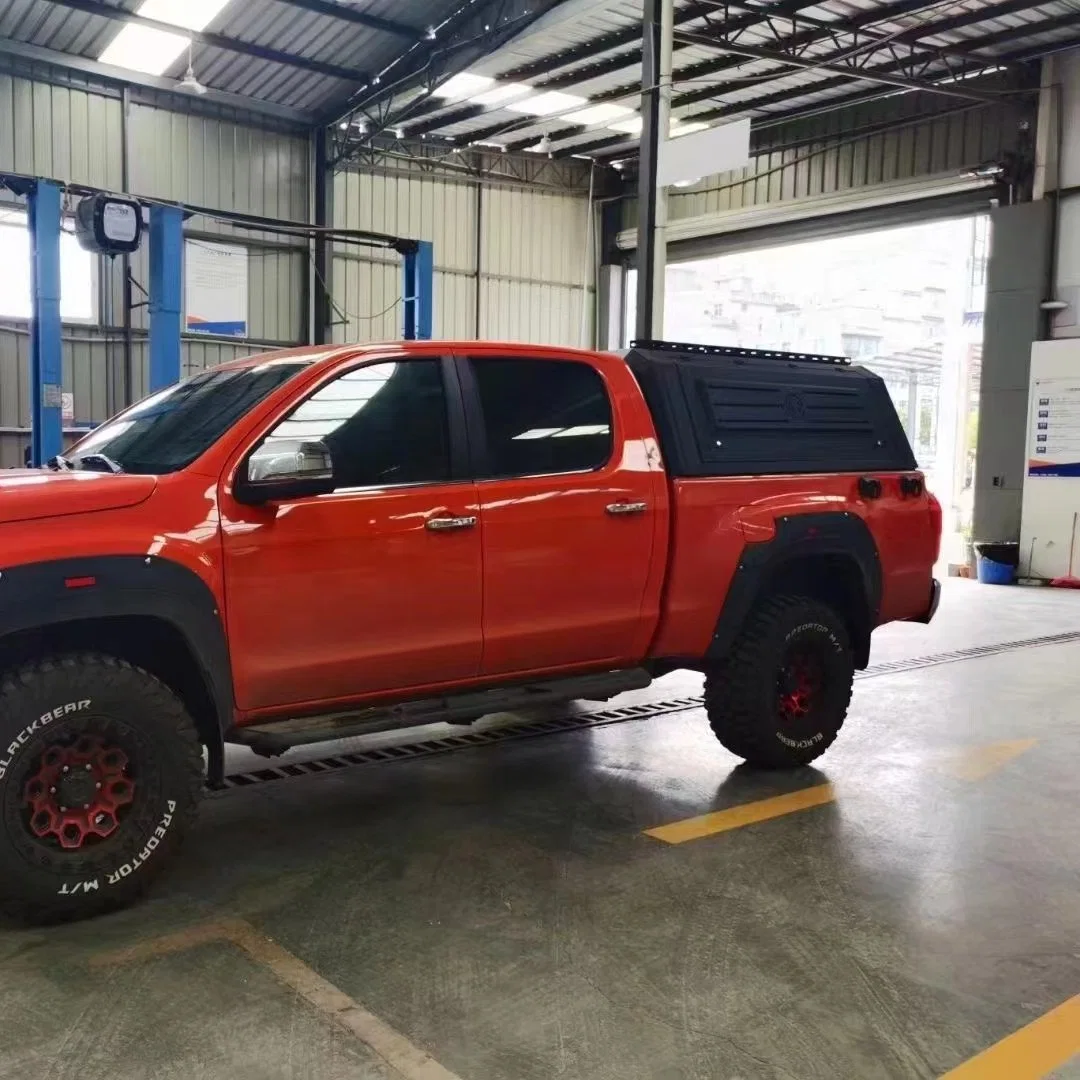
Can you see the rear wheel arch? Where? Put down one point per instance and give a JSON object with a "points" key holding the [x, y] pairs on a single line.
{"points": [[831, 558]]}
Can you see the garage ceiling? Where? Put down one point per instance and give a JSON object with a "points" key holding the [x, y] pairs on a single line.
{"points": [[557, 76]]}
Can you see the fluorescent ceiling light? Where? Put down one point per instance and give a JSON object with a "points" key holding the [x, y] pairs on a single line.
{"points": [[598, 114], [547, 104], [190, 14], [632, 126], [462, 85], [678, 129], [500, 93], [139, 48]]}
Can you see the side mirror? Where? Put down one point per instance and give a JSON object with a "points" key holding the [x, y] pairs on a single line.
{"points": [[285, 469]]}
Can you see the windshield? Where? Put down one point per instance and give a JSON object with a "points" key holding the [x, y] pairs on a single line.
{"points": [[169, 430]]}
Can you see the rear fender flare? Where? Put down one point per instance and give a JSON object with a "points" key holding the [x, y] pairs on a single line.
{"points": [[799, 537]]}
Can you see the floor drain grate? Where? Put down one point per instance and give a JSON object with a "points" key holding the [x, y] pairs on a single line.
{"points": [[581, 721]]}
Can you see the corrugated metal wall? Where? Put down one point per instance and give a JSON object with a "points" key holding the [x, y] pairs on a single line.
{"points": [[528, 271], [902, 138], [75, 135], [529, 266]]}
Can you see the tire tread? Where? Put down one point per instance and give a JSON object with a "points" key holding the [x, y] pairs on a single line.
{"points": [[169, 712], [733, 716]]}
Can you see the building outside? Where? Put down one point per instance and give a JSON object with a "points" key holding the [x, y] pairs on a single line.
{"points": [[908, 303]]}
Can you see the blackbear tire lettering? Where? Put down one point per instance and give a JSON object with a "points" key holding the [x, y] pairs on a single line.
{"points": [[42, 721]]}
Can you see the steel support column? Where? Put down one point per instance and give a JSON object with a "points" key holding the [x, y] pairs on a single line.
{"points": [[419, 291], [659, 22], [166, 294], [322, 266], [46, 349]]}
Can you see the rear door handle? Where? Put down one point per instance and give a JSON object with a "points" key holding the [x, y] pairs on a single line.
{"points": [[615, 509], [446, 524]]}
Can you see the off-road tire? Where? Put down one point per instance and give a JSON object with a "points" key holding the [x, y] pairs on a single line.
{"points": [[741, 695], [55, 706]]}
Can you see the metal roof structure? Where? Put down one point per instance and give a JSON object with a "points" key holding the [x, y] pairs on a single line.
{"points": [[383, 68]]}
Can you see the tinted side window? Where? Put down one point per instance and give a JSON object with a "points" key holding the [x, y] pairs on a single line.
{"points": [[384, 424], [543, 416]]}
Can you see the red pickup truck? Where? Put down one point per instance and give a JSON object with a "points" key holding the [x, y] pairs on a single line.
{"points": [[325, 542]]}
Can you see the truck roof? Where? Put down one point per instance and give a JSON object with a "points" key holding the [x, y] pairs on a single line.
{"points": [[328, 354]]}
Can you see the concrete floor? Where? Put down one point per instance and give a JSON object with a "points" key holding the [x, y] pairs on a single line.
{"points": [[501, 909]]}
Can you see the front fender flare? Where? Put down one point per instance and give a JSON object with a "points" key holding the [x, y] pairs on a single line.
{"points": [[35, 596]]}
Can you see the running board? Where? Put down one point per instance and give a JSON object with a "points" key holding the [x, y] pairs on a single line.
{"points": [[275, 738]]}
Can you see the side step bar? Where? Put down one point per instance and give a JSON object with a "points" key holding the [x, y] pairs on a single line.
{"points": [[275, 738]]}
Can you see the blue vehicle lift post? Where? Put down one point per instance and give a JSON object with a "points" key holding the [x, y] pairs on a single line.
{"points": [[46, 350], [45, 205], [419, 290], [166, 294]]}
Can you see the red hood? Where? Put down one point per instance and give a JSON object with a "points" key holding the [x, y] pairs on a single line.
{"points": [[26, 494]]}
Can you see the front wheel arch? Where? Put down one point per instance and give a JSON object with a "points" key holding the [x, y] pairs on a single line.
{"points": [[146, 642]]}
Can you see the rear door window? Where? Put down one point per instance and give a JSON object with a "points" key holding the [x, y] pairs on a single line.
{"points": [[543, 417]]}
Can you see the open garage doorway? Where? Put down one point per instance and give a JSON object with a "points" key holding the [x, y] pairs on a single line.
{"points": [[907, 302]]}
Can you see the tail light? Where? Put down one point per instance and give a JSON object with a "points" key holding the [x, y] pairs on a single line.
{"points": [[936, 519]]}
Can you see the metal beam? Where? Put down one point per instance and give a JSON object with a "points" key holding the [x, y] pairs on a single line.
{"points": [[475, 30], [107, 73], [857, 24], [360, 18], [887, 74], [840, 67], [217, 41], [322, 263], [656, 47]]}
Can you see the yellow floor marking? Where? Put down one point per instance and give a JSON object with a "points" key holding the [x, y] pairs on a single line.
{"points": [[1030, 1053], [971, 763], [979, 762], [678, 832], [405, 1059]]}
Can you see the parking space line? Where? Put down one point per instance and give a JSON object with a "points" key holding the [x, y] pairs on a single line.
{"points": [[1030, 1053], [978, 762], [407, 1060], [679, 832]]}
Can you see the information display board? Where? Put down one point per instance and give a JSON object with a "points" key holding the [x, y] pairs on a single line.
{"points": [[215, 289], [1054, 427]]}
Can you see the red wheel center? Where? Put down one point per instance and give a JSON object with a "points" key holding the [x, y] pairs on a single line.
{"points": [[800, 683], [78, 791]]}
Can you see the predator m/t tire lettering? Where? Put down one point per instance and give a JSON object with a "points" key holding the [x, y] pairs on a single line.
{"points": [[779, 698], [101, 771]]}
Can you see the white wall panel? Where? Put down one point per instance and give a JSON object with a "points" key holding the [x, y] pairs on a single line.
{"points": [[210, 162], [63, 133], [538, 314], [533, 263]]}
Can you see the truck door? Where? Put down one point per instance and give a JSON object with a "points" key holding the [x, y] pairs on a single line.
{"points": [[376, 586], [568, 511]]}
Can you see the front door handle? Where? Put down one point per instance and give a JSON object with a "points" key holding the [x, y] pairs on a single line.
{"points": [[618, 508], [446, 524]]}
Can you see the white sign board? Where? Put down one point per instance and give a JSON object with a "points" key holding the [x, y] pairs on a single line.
{"points": [[216, 288], [67, 408], [1050, 521], [704, 153], [1054, 427]]}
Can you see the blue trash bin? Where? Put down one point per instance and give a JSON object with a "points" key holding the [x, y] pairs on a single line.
{"points": [[995, 573]]}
